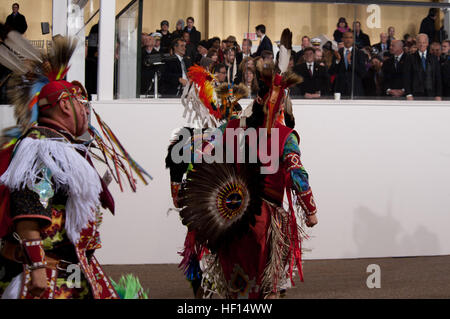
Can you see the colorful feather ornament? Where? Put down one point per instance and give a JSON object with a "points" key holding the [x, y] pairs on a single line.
{"points": [[192, 254], [30, 76], [205, 85], [219, 209], [129, 287], [111, 148]]}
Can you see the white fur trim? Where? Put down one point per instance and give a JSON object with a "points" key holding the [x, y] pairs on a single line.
{"points": [[14, 288], [71, 173]]}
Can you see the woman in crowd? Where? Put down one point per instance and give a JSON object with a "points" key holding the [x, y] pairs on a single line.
{"points": [[251, 81], [246, 63], [342, 26], [178, 33]]}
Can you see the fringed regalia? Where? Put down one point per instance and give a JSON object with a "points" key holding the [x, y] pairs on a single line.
{"points": [[207, 106], [47, 175], [242, 243]]}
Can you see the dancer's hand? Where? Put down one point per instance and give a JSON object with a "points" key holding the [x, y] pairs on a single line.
{"points": [[38, 282], [311, 220]]}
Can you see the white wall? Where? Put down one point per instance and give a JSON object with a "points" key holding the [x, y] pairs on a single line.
{"points": [[379, 172]]}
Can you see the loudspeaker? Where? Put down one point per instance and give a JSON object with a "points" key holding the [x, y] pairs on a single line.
{"points": [[45, 27]]}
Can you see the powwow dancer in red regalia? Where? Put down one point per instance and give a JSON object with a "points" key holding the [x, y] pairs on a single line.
{"points": [[235, 209], [208, 106], [50, 192]]}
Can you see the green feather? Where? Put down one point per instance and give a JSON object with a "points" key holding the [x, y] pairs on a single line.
{"points": [[129, 287]]}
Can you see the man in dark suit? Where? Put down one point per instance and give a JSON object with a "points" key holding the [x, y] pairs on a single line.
{"points": [[195, 35], [191, 49], [423, 72], [344, 61], [373, 80], [265, 44], [428, 24], [174, 77], [298, 57], [445, 71], [166, 36], [394, 71], [202, 51], [361, 39], [246, 51], [316, 81], [383, 45], [16, 21], [148, 69]]}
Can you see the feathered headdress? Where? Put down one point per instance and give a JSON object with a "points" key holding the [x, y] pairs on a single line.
{"points": [[38, 83], [207, 102], [37, 79]]}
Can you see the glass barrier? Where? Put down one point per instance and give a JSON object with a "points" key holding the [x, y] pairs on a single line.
{"points": [[91, 19], [128, 51], [341, 50]]}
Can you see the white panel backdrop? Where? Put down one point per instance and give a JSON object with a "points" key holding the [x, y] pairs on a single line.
{"points": [[379, 171]]}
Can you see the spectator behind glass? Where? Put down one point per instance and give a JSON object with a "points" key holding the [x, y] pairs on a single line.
{"points": [[246, 63], [190, 47], [16, 21], [174, 76], [195, 35], [383, 45], [315, 77], [306, 43], [436, 50], [445, 68], [91, 66], [394, 71], [373, 80], [202, 51], [445, 48], [267, 56], [166, 36], [328, 54], [346, 60], [318, 56], [220, 72], [361, 39], [214, 43], [231, 42], [342, 27], [424, 72], [157, 37], [251, 82], [178, 32], [230, 63], [265, 43], [147, 69], [427, 26], [212, 54], [391, 35], [206, 63], [245, 52]]}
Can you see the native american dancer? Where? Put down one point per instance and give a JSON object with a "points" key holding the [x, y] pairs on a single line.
{"points": [[50, 192], [208, 106], [236, 209]]}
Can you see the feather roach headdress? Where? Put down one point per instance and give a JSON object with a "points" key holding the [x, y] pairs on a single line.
{"points": [[37, 80], [37, 83]]}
